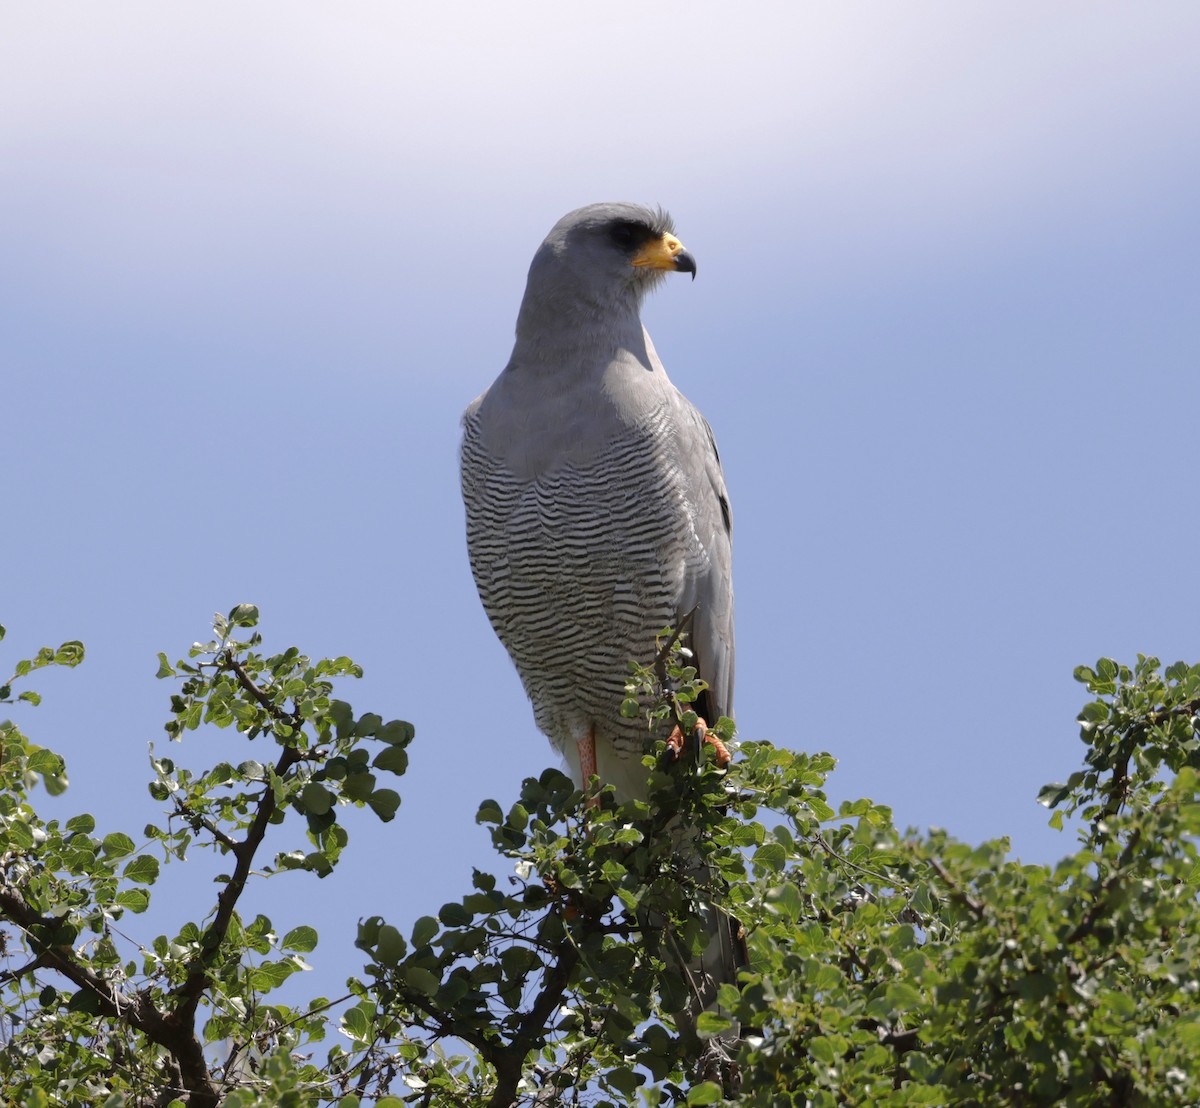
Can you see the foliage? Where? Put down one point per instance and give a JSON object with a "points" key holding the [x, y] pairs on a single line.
{"points": [[886, 968], [89, 1026]]}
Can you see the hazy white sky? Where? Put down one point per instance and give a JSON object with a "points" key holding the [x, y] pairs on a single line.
{"points": [[256, 258]]}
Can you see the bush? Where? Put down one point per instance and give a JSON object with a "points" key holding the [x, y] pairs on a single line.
{"points": [[886, 968]]}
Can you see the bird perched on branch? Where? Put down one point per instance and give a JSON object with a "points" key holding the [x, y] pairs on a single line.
{"points": [[596, 507], [597, 515]]}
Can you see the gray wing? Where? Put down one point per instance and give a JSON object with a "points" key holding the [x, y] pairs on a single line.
{"points": [[708, 588]]}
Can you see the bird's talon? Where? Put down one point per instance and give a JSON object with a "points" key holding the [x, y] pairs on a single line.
{"points": [[721, 751], [676, 740]]}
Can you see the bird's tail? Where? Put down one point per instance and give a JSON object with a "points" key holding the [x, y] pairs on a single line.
{"points": [[702, 950]]}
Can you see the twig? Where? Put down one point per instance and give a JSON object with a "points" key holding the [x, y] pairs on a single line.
{"points": [[29, 967], [199, 822], [974, 906], [247, 682]]}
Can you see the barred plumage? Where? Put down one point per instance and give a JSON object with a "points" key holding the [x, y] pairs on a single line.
{"points": [[578, 570], [596, 506]]}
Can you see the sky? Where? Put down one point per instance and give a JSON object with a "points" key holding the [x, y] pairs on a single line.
{"points": [[256, 259]]}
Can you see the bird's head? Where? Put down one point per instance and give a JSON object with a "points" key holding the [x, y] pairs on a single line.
{"points": [[605, 253]]}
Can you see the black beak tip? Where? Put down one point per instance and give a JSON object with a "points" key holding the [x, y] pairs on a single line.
{"points": [[685, 263]]}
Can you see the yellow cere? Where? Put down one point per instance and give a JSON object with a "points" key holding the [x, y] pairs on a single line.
{"points": [[659, 253]]}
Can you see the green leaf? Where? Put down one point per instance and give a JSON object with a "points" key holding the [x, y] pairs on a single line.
{"points": [[270, 975], [625, 1081], [901, 996], [1052, 795], [822, 1050], [489, 812], [302, 939], [45, 762], [454, 915], [20, 835], [83, 824], [69, 654], [786, 900], [392, 759], [707, 1092], [244, 615], [84, 1001], [421, 979], [397, 732], [143, 870], [1120, 1004], [770, 856], [390, 946], [368, 724], [424, 930], [384, 803], [356, 1024], [136, 900], [117, 845], [712, 1023], [1095, 711], [359, 786], [316, 799]]}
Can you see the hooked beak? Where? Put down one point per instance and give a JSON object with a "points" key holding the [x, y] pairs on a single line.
{"points": [[666, 253]]}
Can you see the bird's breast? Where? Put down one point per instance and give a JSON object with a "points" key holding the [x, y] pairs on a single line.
{"points": [[581, 562]]}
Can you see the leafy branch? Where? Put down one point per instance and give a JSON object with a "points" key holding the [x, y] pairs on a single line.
{"points": [[885, 968]]}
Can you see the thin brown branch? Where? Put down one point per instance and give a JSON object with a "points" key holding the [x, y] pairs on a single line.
{"points": [[960, 894], [824, 844], [308, 1013], [229, 661], [194, 984], [29, 967], [202, 823]]}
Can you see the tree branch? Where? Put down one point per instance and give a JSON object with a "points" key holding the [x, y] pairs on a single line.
{"points": [[175, 1036], [509, 1061], [202, 823], [247, 682], [188, 994], [1118, 789], [193, 986]]}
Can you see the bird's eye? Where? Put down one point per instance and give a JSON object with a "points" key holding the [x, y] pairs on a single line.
{"points": [[626, 235]]}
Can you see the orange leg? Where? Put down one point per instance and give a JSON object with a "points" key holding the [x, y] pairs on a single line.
{"points": [[675, 742], [587, 756]]}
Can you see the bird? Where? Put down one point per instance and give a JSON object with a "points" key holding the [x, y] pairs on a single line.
{"points": [[596, 505], [597, 514]]}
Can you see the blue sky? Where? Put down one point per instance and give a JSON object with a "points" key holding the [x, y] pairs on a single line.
{"points": [[255, 260]]}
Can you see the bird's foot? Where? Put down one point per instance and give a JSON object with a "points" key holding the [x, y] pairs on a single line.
{"points": [[676, 740], [586, 745]]}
